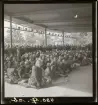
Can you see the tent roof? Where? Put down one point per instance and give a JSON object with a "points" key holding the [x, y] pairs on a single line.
{"points": [[59, 17]]}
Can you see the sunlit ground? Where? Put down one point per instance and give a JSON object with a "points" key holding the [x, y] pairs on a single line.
{"points": [[79, 84]]}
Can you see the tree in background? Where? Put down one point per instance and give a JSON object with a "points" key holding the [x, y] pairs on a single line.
{"points": [[17, 37]]}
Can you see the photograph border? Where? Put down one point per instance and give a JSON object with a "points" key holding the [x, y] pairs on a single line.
{"points": [[56, 99]]}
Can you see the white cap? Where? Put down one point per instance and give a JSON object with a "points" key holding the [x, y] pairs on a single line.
{"points": [[39, 62]]}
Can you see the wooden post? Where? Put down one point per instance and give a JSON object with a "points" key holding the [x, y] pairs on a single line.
{"points": [[45, 37], [11, 29], [63, 38]]}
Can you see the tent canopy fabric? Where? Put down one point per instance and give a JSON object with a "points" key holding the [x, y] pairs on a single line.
{"points": [[74, 17]]}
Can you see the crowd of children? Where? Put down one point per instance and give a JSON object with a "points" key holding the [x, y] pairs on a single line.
{"points": [[36, 68]]}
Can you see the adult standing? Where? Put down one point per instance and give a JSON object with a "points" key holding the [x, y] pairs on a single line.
{"points": [[35, 79]]}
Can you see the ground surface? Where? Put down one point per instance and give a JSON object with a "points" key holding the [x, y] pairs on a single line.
{"points": [[79, 84]]}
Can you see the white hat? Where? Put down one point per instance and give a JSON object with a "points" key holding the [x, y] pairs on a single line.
{"points": [[39, 62], [26, 62]]}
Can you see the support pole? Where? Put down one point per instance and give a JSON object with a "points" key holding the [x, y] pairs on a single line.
{"points": [[63, 38], [45, 37], [11, 29]]}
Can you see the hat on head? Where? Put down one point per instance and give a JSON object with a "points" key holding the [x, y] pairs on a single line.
{"points": [[26, 62], [39, 62]]}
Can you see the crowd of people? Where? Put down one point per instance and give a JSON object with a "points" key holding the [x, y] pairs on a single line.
{"points": [[29, 48], [38, 66]]}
